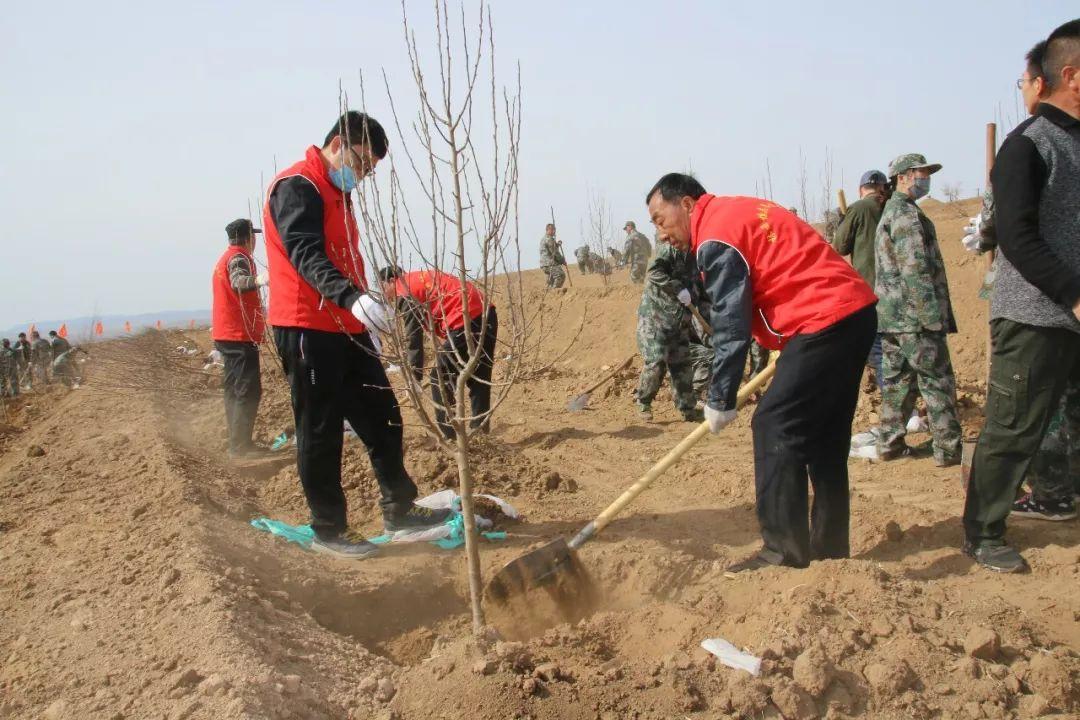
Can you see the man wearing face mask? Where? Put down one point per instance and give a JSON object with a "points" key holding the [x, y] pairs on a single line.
{"points": [[914, 316], [321, 310]]}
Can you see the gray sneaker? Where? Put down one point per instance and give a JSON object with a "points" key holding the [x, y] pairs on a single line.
{"points": [[999, 558], [346, 546]]}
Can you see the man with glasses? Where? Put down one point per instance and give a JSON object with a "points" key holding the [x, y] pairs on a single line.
{"points": [[321, 312], [1035, 309]]}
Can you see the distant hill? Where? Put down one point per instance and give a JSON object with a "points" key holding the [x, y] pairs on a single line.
{"points": [[113, 325]]}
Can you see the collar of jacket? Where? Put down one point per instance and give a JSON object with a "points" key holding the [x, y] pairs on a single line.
{"points": [[1056, 115], [696, 216], [901, 195]]}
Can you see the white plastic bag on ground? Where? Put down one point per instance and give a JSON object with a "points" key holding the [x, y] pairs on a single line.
{"points": [[917, 423], [732, 656], [868, 437]]}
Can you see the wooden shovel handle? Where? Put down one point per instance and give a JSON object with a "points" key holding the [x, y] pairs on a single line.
{"points": [[841, 199], [611, 374], [698, 316], [665, 463]]}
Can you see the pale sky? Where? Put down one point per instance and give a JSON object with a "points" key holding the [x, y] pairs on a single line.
{"points": [[134, 132]]}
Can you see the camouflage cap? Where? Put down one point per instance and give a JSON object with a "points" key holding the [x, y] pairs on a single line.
{"points": [[630, 224], [911, 161]]}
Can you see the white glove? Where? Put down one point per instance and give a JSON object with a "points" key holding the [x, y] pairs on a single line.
{"points": [[684, 297], [373, 313], [719, 419], [262, 279], [972, 242]]}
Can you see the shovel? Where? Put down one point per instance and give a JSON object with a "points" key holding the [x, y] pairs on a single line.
{"points": [[580, 402], [556, 562]]}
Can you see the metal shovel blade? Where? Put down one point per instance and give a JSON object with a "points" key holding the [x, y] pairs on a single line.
{"points": [[539, 567], [578, 403]]}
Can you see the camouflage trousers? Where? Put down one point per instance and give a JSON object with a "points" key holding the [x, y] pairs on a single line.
{"points": [[637, 270], [556, 275], [664, 347], [914, 364], [1054, 473], [701, 358], [759, 358]]}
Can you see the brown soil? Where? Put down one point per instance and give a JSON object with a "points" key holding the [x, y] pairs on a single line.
{"points": [[131, 585]]}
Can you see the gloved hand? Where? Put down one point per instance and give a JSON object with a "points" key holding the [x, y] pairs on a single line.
{"points": [[718, 419], [262, 279], [372, 313], [684, 297]]}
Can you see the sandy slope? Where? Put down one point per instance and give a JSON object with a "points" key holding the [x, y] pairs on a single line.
{"points": [[132, 587]]}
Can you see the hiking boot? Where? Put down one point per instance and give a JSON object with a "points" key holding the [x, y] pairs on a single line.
{"points": [[694, 415], [415, 518], [762, 559], [645, 412], [1055, 511], [999, 558], [898, 454], [348, 545]]}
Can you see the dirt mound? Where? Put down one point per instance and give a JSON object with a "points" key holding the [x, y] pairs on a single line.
{"points": [[132, 585]]}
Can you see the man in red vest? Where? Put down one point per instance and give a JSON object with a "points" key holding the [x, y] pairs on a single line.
{"points": [[772, 277], [238, 327], [320, 310], [439, 298]]}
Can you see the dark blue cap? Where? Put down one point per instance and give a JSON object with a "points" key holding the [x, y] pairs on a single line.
{"points": [[873, 177]]}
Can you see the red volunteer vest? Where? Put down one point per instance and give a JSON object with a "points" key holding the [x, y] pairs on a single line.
{"points": [[440, 293], [799, 283], [237, 316], [293, 302]]}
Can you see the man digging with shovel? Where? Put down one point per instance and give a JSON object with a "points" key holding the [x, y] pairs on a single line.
{"points": [[771, 276]]}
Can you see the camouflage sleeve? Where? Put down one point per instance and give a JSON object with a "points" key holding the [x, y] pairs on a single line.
{"points": [[987, 227], [661, 274], [241, 274]]}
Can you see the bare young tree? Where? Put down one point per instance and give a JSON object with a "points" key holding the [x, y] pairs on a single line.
{"points": [[804, 200], [598, 228], [449, 203], [951, 191]]}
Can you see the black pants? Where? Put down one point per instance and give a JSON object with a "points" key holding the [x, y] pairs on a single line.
{"points": [[243, 389], [336, 377], [1029, 369], [450, 358], [803, 427]]}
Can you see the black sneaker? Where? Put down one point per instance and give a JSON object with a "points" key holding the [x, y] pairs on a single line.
{"points": [[346, 546], [416, 518], [693, 415], [999, 558], [762, 559], [1057, 511]]}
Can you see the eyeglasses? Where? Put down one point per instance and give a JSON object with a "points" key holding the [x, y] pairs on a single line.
{"points": [[1021, 81]]}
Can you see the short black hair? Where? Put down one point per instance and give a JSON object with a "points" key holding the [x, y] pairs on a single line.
{"points": [[390, 272], [1062, 48], [674, 186], [52, 332], [1034, 58], [22, 335], [360, 129]]}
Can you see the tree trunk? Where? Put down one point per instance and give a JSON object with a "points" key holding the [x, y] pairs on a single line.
{"points": [[468, 517]]}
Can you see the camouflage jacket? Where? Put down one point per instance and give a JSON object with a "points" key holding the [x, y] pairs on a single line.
{"points": [[913, 293], [637, 248], [7, 359], [669, 272], [582, 255], [41, 351], [550, 252]]}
